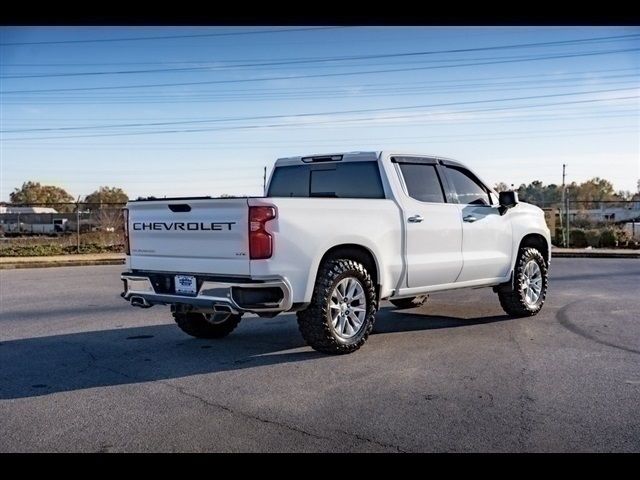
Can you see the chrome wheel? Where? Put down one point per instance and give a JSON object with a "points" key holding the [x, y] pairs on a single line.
{"points": [[531, 282], [347, 307]]}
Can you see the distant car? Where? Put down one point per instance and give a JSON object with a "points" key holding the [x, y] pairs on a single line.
{"points": [[334, 235], [60, 224]]}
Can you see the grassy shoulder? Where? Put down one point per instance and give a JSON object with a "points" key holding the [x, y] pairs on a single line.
{"points": [[48, 246]]}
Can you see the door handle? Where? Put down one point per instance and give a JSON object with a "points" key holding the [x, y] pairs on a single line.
{"points": [[469, 218], [416, 219]]}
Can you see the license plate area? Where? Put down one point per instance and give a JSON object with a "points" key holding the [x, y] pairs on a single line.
{"points": [[186, 285]]}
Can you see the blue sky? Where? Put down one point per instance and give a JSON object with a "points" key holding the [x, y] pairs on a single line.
{"points": [[240, 97]]}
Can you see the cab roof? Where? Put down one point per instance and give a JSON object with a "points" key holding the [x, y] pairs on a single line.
{"points": [[352, 157]]}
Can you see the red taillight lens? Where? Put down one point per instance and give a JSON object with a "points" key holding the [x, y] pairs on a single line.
{"points": [[125, 221], [260, 241]]}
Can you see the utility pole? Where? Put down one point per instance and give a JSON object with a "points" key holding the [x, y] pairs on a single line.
{"points": [[78, 225], [562, 227], [566, 199], [568, 230], [264, 182]]}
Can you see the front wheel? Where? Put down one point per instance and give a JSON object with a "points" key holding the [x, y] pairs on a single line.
{"points": [[530, 285], [206, 325], [342, 310]]}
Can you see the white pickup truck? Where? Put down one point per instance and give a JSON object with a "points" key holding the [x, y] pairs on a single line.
{"points": [[333, 236]]}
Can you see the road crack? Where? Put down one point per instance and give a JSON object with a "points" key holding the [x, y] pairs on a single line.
{"points": [[287, 426], [209, 403], [371, 440], [183, 391], [524, 398]]}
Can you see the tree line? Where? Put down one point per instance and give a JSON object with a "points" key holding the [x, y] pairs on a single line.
{"points": [[588, 193], [58, 198]]}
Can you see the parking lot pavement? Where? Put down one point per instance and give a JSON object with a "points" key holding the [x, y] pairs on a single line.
{"points": [[80, 370]]}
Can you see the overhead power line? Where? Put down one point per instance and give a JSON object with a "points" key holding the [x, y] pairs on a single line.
{"points": [[308, 114], [394, 86], [577, 112], [331, 59], [198, 97], [170, 37], [322, 75], [283, 142], [241, 127], [367, 143]]}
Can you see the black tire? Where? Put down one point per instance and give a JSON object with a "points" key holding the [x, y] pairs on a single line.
{"points": [[513, 301], [411, 302], [315, 321], [197, 325]]}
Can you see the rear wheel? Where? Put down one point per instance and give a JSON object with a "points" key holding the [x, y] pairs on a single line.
{"points": [[342, 310], [411, 302], [530, 285], [206, 325]]}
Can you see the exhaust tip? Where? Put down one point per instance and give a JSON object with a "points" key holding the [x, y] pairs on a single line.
{"points": [[222, 309]]}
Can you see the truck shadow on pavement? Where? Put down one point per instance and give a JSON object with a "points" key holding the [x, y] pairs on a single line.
{"points": [[39, 366]]}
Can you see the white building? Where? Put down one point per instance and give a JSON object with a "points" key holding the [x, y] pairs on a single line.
{"points": [[12, 209], [609, 214]]}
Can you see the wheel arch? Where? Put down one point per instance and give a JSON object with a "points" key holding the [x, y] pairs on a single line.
{"points": [[356, 252], [537, 241]]}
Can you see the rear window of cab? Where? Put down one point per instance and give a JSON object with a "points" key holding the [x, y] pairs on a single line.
{"points": [[328, 180]]}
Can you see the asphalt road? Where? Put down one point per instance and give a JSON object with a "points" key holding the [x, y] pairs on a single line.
{"points": [[80, 370]]}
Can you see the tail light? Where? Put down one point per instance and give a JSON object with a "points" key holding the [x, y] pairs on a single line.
{"points": [[260, 241], [125, 220]]}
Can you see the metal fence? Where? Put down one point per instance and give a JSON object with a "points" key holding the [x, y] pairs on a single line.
{"points": [[590, 217], [62, 228]]}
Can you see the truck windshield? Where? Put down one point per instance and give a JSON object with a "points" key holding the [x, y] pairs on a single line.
{"points": [[335, 180]]}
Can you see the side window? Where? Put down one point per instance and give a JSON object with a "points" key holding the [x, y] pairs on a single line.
{"points": [[469, 190], [422, 182]]}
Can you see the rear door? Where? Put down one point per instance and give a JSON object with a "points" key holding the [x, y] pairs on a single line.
{"points": [[486, 234], [433, 224], [190, 236]]}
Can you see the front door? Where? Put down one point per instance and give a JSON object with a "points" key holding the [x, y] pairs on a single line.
{"points": [[486, 234]]}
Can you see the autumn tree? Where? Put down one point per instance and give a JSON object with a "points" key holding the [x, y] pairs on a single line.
{"points": [[595, 190], [106, 206], [583, 195], [625, 195], [540, 194], [43, 195], [106, 195]]}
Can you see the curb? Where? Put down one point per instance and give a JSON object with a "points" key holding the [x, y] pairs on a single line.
{"points": [[70, 263], [593, 255]]}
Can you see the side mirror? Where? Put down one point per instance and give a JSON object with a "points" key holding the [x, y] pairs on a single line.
{"points": [[507, 200]]}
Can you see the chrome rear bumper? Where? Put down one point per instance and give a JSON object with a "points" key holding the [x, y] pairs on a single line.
{"points": [[212, 295]]}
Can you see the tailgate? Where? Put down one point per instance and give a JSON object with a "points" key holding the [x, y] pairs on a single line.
{"points": [[190, 236]]}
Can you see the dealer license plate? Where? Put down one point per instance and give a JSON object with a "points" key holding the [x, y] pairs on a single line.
{"points": [[186, 284]]}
